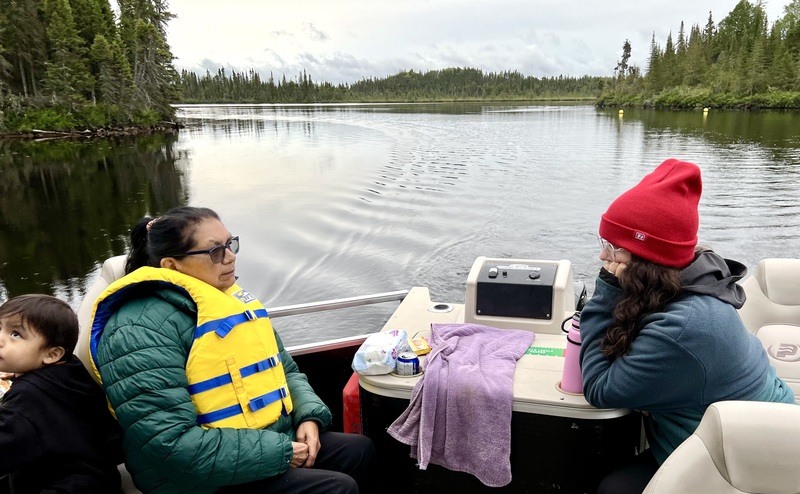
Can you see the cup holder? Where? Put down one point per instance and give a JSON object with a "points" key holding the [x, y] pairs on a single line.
{"points": [[558, 387], [440, 308]]}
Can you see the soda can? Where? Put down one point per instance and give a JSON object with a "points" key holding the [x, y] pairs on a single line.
{"points": [[407, 364]]}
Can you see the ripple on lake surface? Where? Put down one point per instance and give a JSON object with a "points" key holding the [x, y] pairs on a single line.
{"points": [[336, 201]]}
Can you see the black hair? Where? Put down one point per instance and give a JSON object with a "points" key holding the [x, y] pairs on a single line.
{"points": [[168, 235], [47, 316]]}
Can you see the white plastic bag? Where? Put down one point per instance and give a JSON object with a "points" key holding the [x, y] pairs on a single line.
{"points": [[378, 353]]}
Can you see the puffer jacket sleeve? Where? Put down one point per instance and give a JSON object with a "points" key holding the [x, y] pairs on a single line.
{"points": [[142, 356], [307, 405]]}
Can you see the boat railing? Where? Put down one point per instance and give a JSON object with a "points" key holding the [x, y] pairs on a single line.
{"points": [[333, 304]]}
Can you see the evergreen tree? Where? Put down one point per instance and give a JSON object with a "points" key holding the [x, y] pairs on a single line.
{"points": [[5, 66], [93, 18], [790, 28], [783, 69], [669, 64], [681, 46], [695, 63], [654, 79], [621, 70], [24, 42], [67, 75], [114, 79], [143, 31]]}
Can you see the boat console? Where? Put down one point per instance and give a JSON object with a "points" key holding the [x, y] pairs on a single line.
{"points": [[520, 294], [553, 432]]}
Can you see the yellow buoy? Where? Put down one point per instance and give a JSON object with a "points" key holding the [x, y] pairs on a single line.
{"points": [[621, 112], [705, 110]]}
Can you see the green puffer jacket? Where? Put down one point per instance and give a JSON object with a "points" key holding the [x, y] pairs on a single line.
{"points": [[142, 355]]}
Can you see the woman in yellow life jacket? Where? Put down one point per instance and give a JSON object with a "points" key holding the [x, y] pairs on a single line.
{"points": [[209, 399]]}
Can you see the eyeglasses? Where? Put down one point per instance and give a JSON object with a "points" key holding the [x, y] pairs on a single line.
{"points": [[217, 253], [609, 248]]}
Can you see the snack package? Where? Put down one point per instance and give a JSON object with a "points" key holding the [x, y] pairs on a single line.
{"points": [[420, 345], [378, 353], [5, 385]]}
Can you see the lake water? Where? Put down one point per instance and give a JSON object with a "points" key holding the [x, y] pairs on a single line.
{"points": [[334, 201]]}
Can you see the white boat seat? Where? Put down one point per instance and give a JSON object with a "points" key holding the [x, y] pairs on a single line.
{"points": [[739, 446], [772, 313], [113, 269]]}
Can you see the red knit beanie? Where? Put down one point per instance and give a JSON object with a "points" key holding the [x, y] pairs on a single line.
{"points": [[657, 219]]}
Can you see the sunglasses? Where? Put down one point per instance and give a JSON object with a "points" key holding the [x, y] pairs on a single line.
{"points": [[609, 248], [217, 253]]}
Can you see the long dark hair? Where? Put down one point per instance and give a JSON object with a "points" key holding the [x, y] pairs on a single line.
{"points": [[167, 236], [647, 287]]}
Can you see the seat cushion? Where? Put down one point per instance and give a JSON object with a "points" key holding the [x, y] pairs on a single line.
{"points": [[780, 280], [739, 446], [782, 342]]}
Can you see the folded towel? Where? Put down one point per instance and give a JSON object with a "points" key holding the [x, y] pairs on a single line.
{"points": [[459, 416]]}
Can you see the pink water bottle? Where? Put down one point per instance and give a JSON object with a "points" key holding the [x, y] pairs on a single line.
{"points": [[571, 379]]}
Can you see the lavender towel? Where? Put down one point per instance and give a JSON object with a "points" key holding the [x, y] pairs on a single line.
{"points": [[459, 416]]}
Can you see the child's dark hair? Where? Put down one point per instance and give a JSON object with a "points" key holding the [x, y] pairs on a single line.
{"points": [[168, 235], [47, 316]]}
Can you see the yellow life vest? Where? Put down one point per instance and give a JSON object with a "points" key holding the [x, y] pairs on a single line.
{"points": [[234, 368]]}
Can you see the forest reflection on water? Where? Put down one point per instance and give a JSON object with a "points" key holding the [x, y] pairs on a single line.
{"points": [[66, 206], [344, 200]]}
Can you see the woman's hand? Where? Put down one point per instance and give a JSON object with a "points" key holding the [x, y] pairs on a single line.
{"points": [[308, 433], [616, 268], [300, 455]]}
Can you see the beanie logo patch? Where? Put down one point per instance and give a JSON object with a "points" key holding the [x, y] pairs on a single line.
{"points": [[640, 236]]}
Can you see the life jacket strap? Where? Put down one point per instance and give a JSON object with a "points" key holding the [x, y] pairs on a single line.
{"points": [[224, 326], [255, 405], [249, 370]]}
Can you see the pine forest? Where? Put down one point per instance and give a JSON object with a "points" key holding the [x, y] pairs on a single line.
{"points": [[68, 64], [81, 64]]}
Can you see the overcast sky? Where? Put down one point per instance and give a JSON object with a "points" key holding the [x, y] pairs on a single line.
{"points": [[346, 40]]}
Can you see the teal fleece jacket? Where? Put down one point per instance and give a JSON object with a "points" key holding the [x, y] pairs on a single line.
{"points": [[142, 356], [693, 353]]}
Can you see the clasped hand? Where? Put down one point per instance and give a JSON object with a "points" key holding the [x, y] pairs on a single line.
{"points": [[307, 446]]}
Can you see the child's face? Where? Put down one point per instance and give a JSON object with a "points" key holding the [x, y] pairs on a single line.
{"points": [[21, 349]]}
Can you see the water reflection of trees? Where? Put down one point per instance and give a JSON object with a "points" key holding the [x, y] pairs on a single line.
{"points": [[773, 128], [771, 131], [255, 123], [66, 206]]}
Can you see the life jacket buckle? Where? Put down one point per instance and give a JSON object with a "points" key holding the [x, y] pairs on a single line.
{"points": [[258, 403]]}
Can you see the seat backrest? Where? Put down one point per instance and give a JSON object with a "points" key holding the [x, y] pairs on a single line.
{"points": [[739, 446], [113, 269], [773, 294], [772, 313]]}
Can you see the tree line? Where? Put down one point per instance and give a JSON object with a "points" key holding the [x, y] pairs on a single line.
{"points": [[75, 63], [68, 64], [741, 62], [452, 84]]}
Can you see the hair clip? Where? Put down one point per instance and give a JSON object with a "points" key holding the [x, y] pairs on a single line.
{"points": [[150, 223]]}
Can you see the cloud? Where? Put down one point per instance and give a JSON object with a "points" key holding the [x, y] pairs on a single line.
{"points": [[347, 40], [314, 33]]}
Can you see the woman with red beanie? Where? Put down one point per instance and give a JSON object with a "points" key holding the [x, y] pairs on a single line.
{"points": [[661, 332]]}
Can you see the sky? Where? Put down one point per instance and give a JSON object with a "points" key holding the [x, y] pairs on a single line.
{"points": [[347, 40]]}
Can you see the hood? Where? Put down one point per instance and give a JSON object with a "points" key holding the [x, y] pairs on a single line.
{"points": [[710, 274]]}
